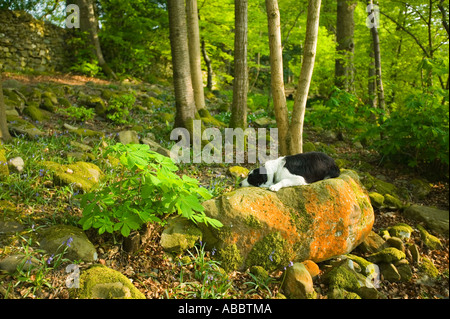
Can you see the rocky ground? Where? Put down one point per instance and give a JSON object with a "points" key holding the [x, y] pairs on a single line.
{"points": [[157, 274]]}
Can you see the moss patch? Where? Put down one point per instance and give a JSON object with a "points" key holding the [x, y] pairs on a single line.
{"points": [[4, 171], [100, 282], [84, 176], [272, 252], [231, 257]]}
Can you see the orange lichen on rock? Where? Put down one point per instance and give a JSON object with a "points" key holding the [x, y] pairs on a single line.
{"points": [[314, 222]]}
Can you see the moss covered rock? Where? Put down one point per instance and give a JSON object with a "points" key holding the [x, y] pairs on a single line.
{"points": [[298, 283], [34, 113], [180, 234], [4, 170], [20, 126], [401, 230], [55, 239], [315, 222], [387, 255], [376, 199], [429, 240], [238, 171], [82, 175], [344, 277], [100, 282]]}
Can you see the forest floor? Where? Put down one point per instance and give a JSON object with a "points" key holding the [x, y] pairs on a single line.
{"points": [[159, 275]]}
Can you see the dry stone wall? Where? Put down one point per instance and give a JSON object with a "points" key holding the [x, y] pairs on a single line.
{"points": [[30, 44]]}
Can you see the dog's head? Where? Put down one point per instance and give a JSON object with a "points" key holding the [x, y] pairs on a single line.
{"points": [[256, 177]]}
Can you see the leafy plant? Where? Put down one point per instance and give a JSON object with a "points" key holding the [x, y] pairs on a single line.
{"points": [[119, 107], [209, 280], [79, 113], [343, 112], [418, 132], [147, 189]]}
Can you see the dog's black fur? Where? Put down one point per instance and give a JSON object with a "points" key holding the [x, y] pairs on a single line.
{"points": [[313, 166]]}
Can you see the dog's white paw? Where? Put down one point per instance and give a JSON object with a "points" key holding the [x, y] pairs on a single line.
{"points": [[275, 188]]}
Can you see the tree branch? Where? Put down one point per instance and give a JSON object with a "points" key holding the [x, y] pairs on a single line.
{"points": [[409, 33]]}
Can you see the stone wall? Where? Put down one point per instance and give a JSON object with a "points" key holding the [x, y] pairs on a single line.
{"points": [[31, 45]]}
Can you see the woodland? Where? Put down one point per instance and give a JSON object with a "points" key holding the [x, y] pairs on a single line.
{"points": [[365, 81]]}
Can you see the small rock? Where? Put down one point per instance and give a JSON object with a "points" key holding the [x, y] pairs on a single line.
{"points": [[132, 243], [401, 230], [415, 254], [155, 146], [128, 137], [298, 283], [373, 243], [16, 164], [428, 268], [101, 282], [180, 234], [56, 237], [376, 199], [420, 188], [405, 272], [238, 171], [81, 146], [4, 170], [10, 226], [312, 268], [70, 127], [265, 121], [429, 240], [393, 202], [396, 243], [435, 219], [82, 175], [13, 262], [343, 276], [387, 255], [389, 272]]}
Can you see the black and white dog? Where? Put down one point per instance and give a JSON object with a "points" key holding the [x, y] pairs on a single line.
{"points": [[293, 170]]}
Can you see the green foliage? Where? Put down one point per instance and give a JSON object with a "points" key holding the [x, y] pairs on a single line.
{"points": [[342, 112], [147, 189], [138, 45], [418, 132], [78, 113], [83, 59], [88, 68], [119, 107], [209, 281]]}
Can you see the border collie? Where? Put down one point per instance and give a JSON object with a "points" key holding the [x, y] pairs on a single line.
{"points": [[293, 170]]}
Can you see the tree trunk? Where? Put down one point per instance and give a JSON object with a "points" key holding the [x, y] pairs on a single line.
{"points": [[4, 133], [377, 56], [194, 53], [89, 23], [184, 97], [345, 26], [208, 66], [276, 74], [240, 83], [372, 84], [295, 135]]}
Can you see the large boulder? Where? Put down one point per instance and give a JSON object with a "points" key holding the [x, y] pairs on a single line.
{"points": [[316, 222]]}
